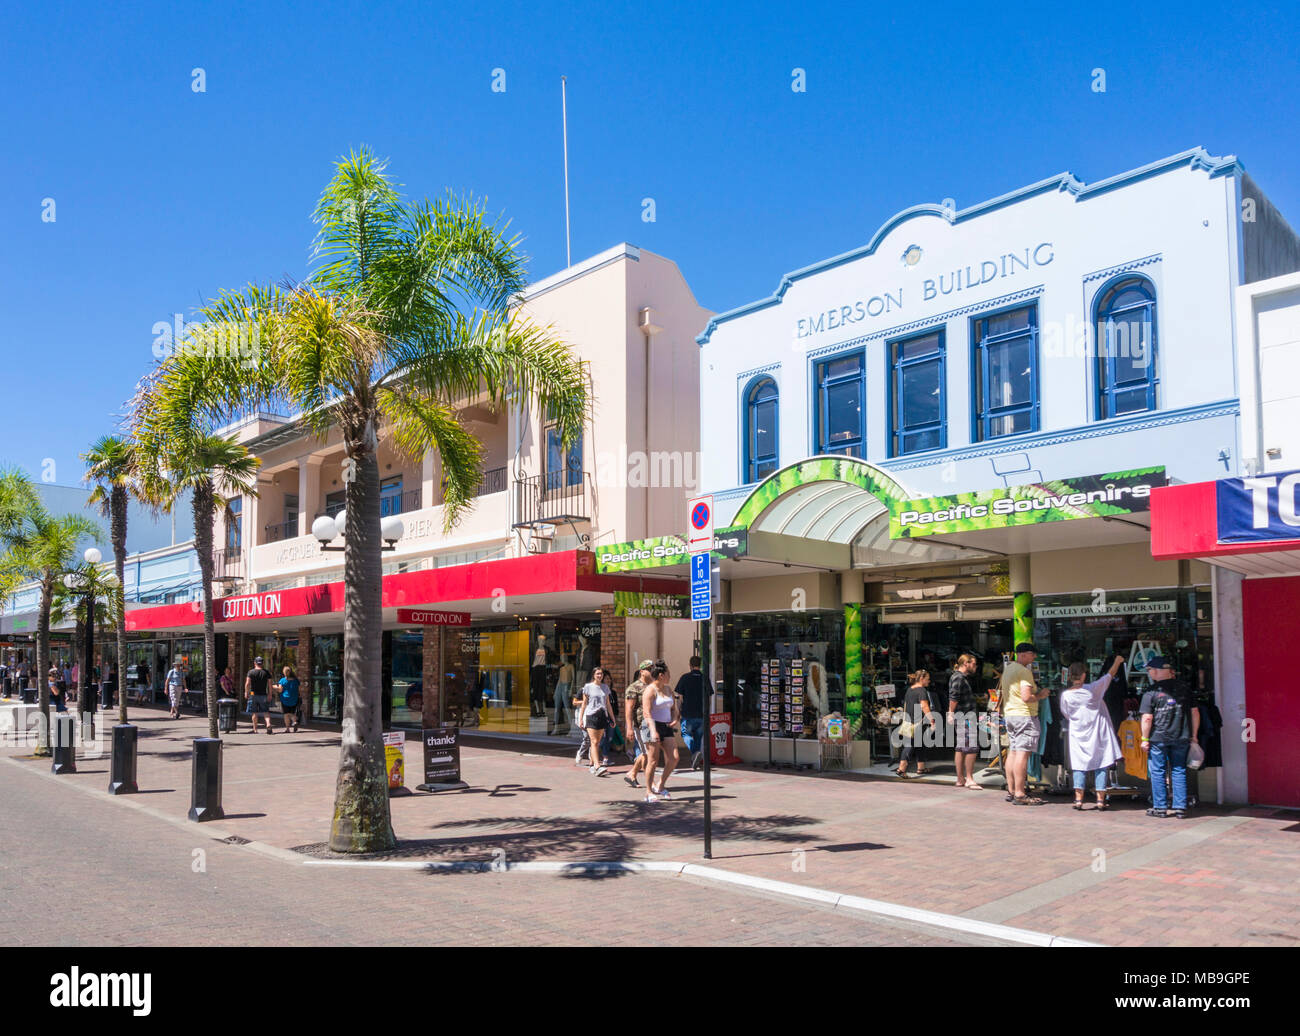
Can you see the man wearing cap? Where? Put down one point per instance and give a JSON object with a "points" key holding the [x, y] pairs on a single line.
{"points": [[632, 720], [1170, 723], [255, 685], [1020, 696]]}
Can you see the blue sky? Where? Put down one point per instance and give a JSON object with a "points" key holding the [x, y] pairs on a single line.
{"points": [[165, 196]]}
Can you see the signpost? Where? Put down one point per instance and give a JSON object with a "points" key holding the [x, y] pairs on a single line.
{"points": [[699, 540]]}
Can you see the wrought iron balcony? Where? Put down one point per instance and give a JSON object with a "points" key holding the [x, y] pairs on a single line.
{"points": [[282, 531], [227, 564], [553, 498]]}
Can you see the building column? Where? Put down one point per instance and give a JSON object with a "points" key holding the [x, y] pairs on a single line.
{"points": [[1230, 681], [429, 480], [432, 669], [304, 672], [1022, 601], [309, 498], [613, 645]]}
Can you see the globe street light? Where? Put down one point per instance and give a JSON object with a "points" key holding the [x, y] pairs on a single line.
{"points": [[325, 529]]}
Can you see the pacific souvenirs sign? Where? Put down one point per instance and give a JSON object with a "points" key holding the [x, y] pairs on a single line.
{"points": [[666, 550], [1086, 496], [1258, 508], [637, 604]]}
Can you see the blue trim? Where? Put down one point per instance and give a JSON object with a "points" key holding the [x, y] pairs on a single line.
{"points": [[1196, 158], [1104, 364], [1091, 430], [818, 447], [747, 422], [980, 414], [894, 389]]}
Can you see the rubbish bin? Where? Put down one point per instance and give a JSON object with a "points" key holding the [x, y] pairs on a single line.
{"points": [[106, 695], [29, 695], [227, 711]]}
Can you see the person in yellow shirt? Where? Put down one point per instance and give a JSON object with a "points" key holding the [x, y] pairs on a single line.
{"points": [[1020, 695]]}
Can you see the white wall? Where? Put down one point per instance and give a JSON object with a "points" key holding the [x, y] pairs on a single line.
{"points": [[1179, 228], [1268, 328]]}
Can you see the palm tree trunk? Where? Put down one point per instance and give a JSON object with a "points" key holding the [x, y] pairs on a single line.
{"points": [[204, 514], [361, 817], [43, 664], [118, 503]]}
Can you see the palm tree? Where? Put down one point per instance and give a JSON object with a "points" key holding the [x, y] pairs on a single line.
{"points": [[17, 499], [111, 468], [407, 316], [45, 549], [210, 469], [69, 604]]}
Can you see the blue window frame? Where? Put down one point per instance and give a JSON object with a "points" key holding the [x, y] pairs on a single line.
{"points": [[234, 534], [563, 467], [917, 405], [762, 400], [1006, 372], [390, 496], [1126, 348], [841, 420]]}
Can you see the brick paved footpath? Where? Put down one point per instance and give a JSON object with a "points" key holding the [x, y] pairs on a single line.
{"points": [[1221, 877]]}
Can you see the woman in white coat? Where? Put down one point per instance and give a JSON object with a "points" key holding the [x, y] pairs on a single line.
{"points": [[1093, 744]]}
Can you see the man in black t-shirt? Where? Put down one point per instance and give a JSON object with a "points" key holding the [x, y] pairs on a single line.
{"points": [[1169, 726], [255, 687]]}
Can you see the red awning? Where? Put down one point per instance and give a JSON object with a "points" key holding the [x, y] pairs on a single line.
{"points": [[1184, 524], [569, 573]]}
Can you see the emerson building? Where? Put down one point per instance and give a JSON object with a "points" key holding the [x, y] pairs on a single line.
{"points": [[947, 440]]}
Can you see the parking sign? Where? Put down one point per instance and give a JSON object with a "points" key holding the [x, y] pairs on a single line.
{"points": [[699, 524], [701, 598]]}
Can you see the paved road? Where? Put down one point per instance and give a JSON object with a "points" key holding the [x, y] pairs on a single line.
{"points": [[184, 888]]}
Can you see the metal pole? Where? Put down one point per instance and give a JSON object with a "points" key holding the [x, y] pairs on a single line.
{"points": [[564, 113], [706, 741]]}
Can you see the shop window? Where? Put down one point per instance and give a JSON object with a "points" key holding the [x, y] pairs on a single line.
{"points": [[1006, 373], [327, 676], [761, 448], [917, 406], [563, 467], [1126, 348], [840, 419], [335, 502]]}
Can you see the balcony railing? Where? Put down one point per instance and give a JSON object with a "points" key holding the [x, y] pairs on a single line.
{"points": [[494, 481], [228, 564], [399, 503], [553, 497], [282, 531]]}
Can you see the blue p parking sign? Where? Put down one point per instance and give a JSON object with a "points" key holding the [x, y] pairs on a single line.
{"points": [[701, 598]]}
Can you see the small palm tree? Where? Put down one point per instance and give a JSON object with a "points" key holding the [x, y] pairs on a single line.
{"points": [[45, 549], [112, 469], [17, 499], [69, 605], [210, 469], [408, 314]]}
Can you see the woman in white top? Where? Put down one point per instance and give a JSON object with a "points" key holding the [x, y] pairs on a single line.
{"points": [[596, 717], [659, 706], [1093, 744]]}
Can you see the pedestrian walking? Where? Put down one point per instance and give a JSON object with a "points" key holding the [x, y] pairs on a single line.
{"points": [[288, 700], [1020, 697], [694, 689], [58, 691], [1093, 745], [1170, 723], [607, 737], [175, 685], [916, 714], [255, 687], [662, 722], [633, 720], [961, 721], [597, 717]]}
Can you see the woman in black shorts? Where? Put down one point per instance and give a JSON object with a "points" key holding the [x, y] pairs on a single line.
{"points": [[597, 717]]}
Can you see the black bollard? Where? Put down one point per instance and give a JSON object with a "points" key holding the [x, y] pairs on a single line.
{"points": [[65, 743], [121, 780], [205, 791]]}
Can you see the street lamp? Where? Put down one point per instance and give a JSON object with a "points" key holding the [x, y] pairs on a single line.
{"points": [[326, 529]]}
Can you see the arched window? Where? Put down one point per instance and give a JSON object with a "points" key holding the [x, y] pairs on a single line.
{"points": [[1126, 348], [760, 429]]}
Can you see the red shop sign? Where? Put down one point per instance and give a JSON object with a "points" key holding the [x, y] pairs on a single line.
{"points": [[720, 739], [430, 617]]}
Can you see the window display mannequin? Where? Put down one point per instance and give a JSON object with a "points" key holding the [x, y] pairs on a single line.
{"points": [[537, 679], [562, 685]]}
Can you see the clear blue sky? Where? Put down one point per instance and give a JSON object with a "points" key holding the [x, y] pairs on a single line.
{"points": [[166, 196]]}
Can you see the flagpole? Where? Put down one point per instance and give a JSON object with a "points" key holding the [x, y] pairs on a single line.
{"points": [[564, 113]]}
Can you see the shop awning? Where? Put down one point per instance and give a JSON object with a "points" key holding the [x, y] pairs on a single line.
{"points": [[1185, 523], [538, 584]]}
